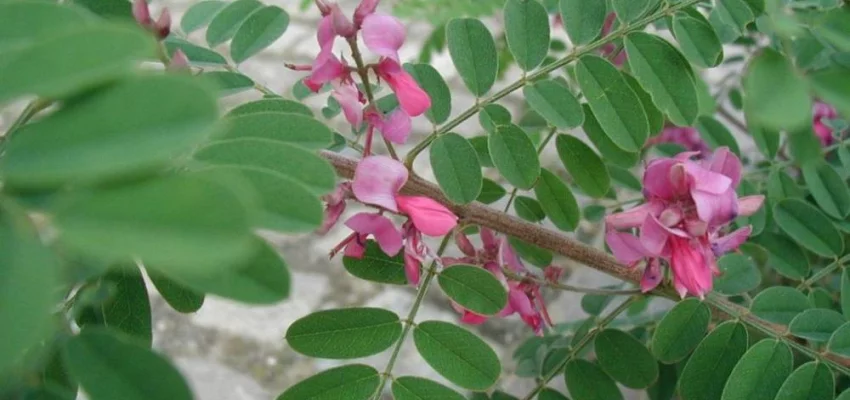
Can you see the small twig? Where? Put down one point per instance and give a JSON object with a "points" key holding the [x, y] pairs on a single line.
{"points": [[731, 118], [568, 288]]}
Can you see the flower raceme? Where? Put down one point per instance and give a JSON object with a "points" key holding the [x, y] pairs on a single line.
{"points": [[377, 182], [689, 205], [821, 112], [383, 35]]}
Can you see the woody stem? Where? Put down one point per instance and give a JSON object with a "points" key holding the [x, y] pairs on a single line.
{"points": [[363, 72]]}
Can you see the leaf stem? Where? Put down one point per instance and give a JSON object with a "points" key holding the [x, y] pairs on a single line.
{"points": [[411, 316], [823, 272], [588, 337], [572, 56]]}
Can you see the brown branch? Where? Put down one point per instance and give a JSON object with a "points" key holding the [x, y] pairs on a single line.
{"points": [[477, 213]]}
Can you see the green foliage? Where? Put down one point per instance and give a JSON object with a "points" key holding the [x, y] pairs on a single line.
{"points": [[760, 372], [376, 266], [456, 168], [816, 324], [225, 23], [586, 381], [457, 354], [680, 331], [258, 31], [557, 201], [413, 388], [585, 167], [625, 359], [554, 102], [200, 14], [474, 288], [707, 370], [779, 304], [473, 52], [812, 380], [514, 155], [344, 333], [809, 227], [582, 19], [630, 10], [527, 32], [697, 39], [354, 381], [769, 73], [432, 82], [738, 275]]}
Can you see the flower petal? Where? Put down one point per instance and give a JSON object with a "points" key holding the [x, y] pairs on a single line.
{"points": [[716, 209], [377, 180], [396, 127], [634, 216], [654, 235], [726, 163], [692, 272], [626, 247], [411, 269], [429, 217], [651, 276], [508, 257], [749, 205], [707, 180], [411, 97], [383, 35], [656, 179], [348, 97], [381, 228], [731, 241]]}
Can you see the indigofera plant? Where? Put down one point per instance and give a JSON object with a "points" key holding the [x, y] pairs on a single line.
{"points": [[702, 159]]}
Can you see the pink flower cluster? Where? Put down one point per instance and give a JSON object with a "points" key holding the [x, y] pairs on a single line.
{"points": [[377, 182], [524, 296], [823, 111], [686, 137], [689, 203], [384, 36]]}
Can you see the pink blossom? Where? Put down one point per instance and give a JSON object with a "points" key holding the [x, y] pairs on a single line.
{"points": [[363, 10], [395, 126], [415, 253], [822, 130], [383, 35], [178, 61], [687, 137], [412, 99], [379, 227], [141, 13], [689, 204], [341, 24], [335, 206], [348, 97], [430, 217]]}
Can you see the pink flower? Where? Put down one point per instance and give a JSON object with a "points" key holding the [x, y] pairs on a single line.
{"points": [[178, 61], [395, 127], [822, 130], [335, 206], [412, 99], [377, 226], [687, 137], [161, 27], [378, 180], [689, 204], [363, 10], [609, 48], [415, 253]]}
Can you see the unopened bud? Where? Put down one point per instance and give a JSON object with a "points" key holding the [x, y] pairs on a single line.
{"points": [[342, 25], [141, 12], [364, 9], [324, 8], [179, 61], [162, 27], [464, 244]]}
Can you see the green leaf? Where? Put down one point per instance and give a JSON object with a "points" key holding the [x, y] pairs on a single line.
{"points": [[493, 115], [586, 381], [114, 9], [282, 158], [603, 143], [770, 73], [680, 331], [291, 128], [550, 394], [665, 74], [697, 40], [820, 298], [845, 292], [813, 380], [780, 186], [227, 82], [738, 275], [432, 82], [474, 288], [104, 52], [376, 266], [270, 105], [415, 388], [557, 201], [30, 275], [767, 142], [630, 10], [25, 22], [625, 359], [531, 253], [839, 343], [456, 167], [277, 202], [828, 189], [554, 102], [344, 333], [809, 227], [583, 20], [200, 14], [760, 373], [262, 278], [98, 359], [586, 168], [613, 103], [529, 209], [473, 52], [458, 355], [707, 371], [654, 116], [349, 382], [181, 222], [816, 324], [197, 55], [491, 192], [716, 134], [179, 297], [832, 86], [514, 155], [527, 32], [128, 310], [262, 28], [227, 21], [98, 137], [784, 255], [779, 304], [734, 13]]}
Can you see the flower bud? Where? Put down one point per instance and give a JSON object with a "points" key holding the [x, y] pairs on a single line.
{"points": [[141, 12], [364, 9], [162, 27], [342, 25]]}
